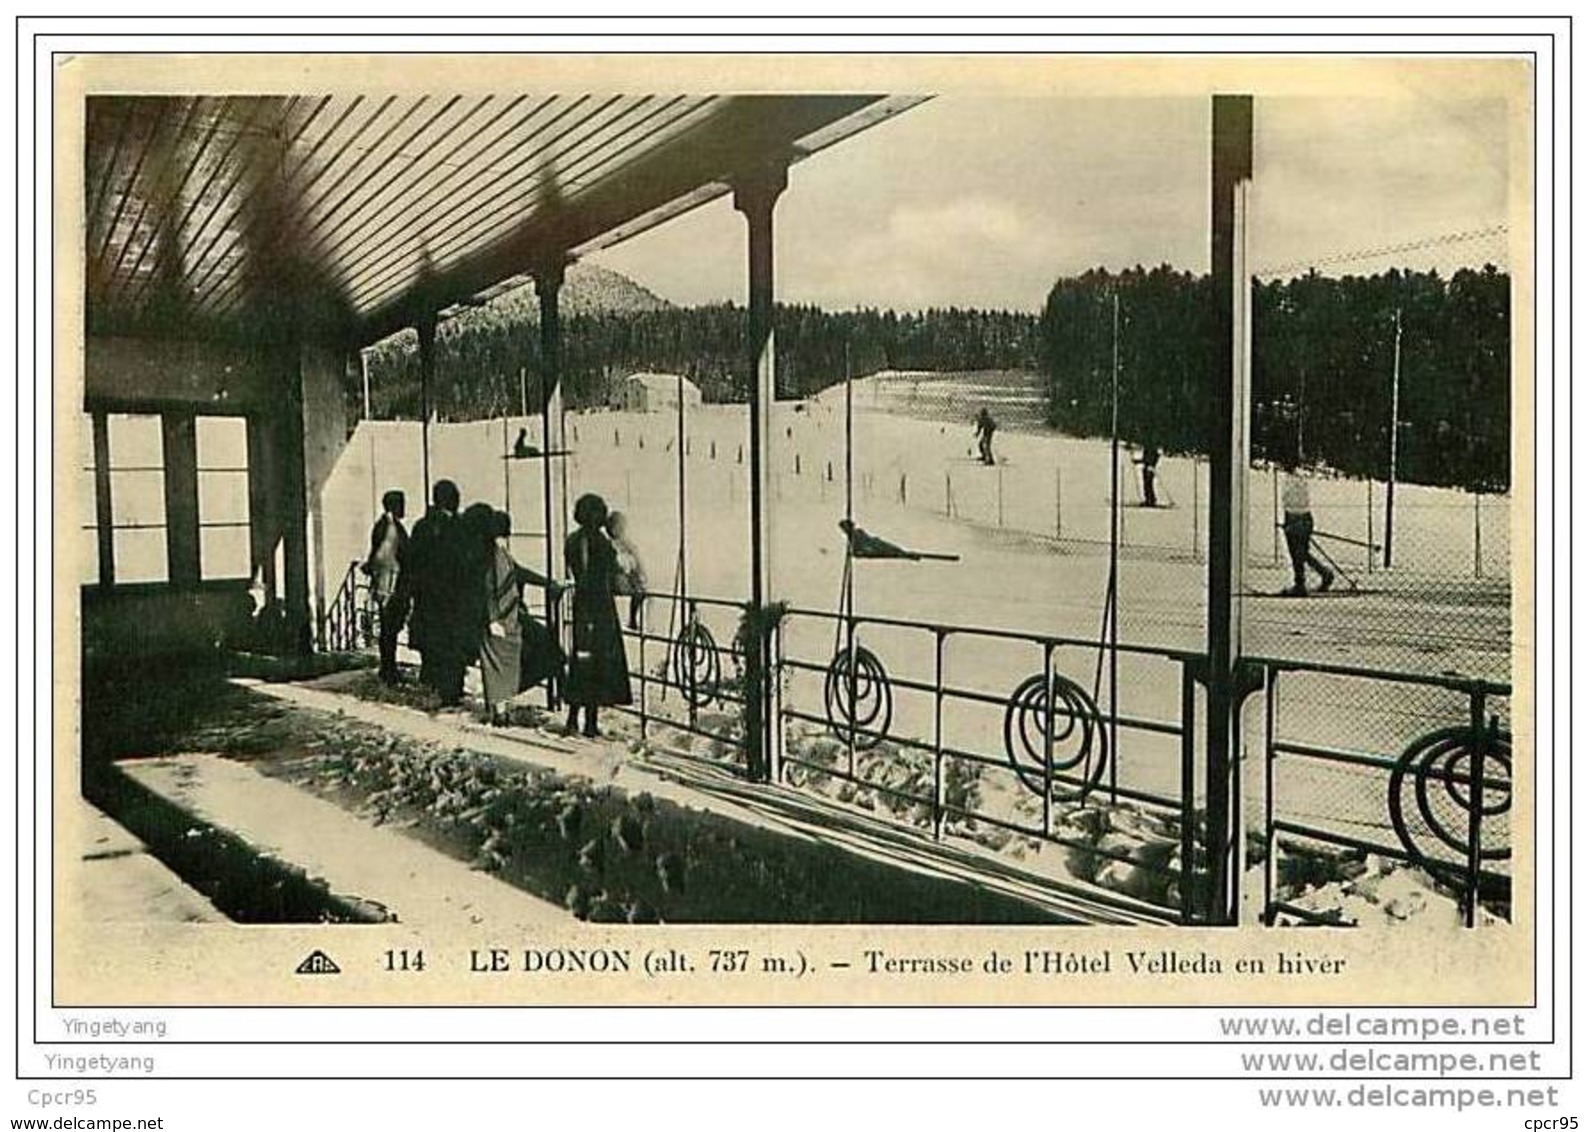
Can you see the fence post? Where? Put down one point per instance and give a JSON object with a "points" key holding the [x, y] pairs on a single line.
{"points": [[1270, 842], [948, 493], [1047, 739], [937, 737], [756, 755], [645, 675], [688, 679], [1477, 534], [1273, 470], [774, 699], [1188, 748], [1369, 549], [1476, 799], [1058, 500]]}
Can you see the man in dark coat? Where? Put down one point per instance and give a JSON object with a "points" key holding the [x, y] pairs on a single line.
{"points": [[388, 544], [445, 592]]}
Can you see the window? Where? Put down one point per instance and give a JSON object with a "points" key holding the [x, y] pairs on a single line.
{"points": [[170, 501], [137, 497], [223, 497]]}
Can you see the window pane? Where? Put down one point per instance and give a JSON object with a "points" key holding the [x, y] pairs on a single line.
{"points": [[223, 552], [137, 497], [82, 504], [136, 441], [83, 454], [223, 497], [86, 544], [140, 556], [222, 442]]}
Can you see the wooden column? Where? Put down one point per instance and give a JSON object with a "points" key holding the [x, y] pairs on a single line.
{"points": [[427, 369], [104, 514], [755, 194], [181, 498], [548, 289], [1229, 451], [548, 278], [294, 501]]}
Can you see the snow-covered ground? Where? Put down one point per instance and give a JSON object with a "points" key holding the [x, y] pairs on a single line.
{"points": [[1031, 535], [1037, 524]]}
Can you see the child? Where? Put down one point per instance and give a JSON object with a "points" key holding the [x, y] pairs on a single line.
{"points": [[630, 578]]}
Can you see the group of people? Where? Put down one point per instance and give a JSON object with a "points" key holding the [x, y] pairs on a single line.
{"points": [[454, 582]]}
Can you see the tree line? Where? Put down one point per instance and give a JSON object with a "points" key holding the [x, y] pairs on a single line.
{"points": [[479, 358], [1323, 364]]}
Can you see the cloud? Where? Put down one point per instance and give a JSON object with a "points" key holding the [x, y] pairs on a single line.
{"points": [[983, 202]]}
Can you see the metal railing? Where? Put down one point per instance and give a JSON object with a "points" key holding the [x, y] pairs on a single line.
{"points": [[1423, 780], [1058, 776], [350, 617], [1061, 752], [1359, 763], [690, 660]]}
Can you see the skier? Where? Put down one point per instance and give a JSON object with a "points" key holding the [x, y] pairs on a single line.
{"points": [[1149, 474], [985, 427], [864, 544], [1298, 535]]}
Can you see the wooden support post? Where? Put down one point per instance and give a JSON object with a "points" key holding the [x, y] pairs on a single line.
{"points": [[755, 195], [181, 498], [104, 514], [427, 366], [548, 278], [1230, 449]]}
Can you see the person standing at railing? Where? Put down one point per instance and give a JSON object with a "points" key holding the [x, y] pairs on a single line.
{"points": [[630, 578], [444, 584], [503, 642], [388, 545], [598, 670], [1297, 498]]}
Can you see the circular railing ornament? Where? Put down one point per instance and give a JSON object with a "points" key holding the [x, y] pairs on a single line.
{"points": [[1436, 775], [696, 664], [1079, 739], [859, 697]]}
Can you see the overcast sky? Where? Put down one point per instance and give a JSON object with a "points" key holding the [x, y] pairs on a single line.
{"points": [[984, 202]]}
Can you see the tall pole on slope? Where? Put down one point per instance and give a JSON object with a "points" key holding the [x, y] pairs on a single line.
{"points": [[1113, 579], [1394, 450]]}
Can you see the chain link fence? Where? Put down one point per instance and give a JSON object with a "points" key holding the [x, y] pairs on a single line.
{"points": [[1382, 379]]}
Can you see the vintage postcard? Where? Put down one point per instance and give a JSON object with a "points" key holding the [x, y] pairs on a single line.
{"points": [[815, 529]]}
